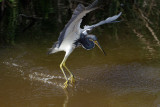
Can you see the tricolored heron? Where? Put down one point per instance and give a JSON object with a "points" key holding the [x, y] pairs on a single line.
{"points": [[73, 36]]}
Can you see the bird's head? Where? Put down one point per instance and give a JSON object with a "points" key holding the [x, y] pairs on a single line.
{"points": [[93, 38]]}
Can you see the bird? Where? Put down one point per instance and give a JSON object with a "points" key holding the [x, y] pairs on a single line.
{"points": [[73, 36]]}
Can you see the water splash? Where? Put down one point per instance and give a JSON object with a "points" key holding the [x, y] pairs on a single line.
{"points": [[33, 76], [44, 78]]}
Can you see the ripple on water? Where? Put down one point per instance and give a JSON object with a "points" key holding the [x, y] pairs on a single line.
{"points": [[121, 78]]}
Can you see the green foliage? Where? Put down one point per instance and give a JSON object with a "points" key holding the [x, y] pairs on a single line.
{"points": [[55, 14]]}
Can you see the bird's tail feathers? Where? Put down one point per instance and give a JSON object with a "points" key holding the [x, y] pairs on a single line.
{"points": [[51, 51]]}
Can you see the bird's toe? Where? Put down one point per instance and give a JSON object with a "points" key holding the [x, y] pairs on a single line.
{"points": [[72, 80], [65, 85]]}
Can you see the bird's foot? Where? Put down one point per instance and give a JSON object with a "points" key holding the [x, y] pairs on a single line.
{"points": [[65, 85], [72, 80]]}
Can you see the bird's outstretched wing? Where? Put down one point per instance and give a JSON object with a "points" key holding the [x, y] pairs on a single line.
{"points": [[108, 20], [73, 26]]}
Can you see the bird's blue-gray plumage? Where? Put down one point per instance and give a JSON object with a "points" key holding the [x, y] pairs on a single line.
{"points": [[85, 41], [72, 31], [108, 20], [78, 14], [72, 35]]}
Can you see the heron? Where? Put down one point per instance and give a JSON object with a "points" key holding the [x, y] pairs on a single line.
{"points": [[73, 36]]}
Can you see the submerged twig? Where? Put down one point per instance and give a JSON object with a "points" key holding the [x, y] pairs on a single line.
{"points": [[33, 20], [30, 17], [141, 37]]}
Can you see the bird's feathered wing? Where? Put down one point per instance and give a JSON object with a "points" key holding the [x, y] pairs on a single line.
{"points": [[108, 20], [73, 25]]}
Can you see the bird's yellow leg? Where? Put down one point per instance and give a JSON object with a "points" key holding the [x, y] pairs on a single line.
{"points": [[66, 83], [71, 75]]}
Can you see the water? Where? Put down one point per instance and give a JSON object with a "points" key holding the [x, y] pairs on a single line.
{"points": [[129, 76]]}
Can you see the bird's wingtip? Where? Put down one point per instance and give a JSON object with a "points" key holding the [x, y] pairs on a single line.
{"points": [[93, 5], [119, 14]]}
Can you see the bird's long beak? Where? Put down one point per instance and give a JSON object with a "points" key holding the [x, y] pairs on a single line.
{"points": [[98, 45]]}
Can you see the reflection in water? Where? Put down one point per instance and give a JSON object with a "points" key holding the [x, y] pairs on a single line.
{"points": [[66, 99], [148, 45], [124, 77], [157, 100]]}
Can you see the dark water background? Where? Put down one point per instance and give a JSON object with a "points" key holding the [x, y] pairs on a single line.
{"points": [[129, 76]]}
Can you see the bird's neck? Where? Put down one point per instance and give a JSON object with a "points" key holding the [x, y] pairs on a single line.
{"points": [[87, 44]]}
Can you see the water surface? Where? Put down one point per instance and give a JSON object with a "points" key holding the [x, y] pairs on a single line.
{"points": [[129, 76]]}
